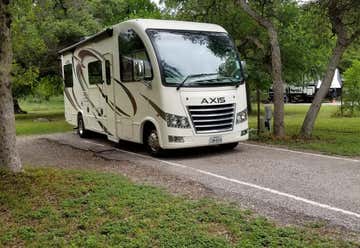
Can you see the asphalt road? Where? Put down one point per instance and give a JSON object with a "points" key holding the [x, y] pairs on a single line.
{"points": [[273, 181]]}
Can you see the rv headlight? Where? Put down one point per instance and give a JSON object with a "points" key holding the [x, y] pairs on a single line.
{"points": [[177, 121], [184, 122], [241, 116]]}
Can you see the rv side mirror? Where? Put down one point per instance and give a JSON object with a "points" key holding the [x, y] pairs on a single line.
{"points": [[139, 69]]}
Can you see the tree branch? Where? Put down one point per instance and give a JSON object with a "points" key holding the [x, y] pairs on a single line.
{"points": [[258, 18]]}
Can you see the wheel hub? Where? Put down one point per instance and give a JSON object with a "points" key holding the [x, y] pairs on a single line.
{"points": [[153, 141]]}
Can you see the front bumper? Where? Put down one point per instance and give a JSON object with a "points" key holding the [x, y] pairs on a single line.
{"points": [[203, 140]]}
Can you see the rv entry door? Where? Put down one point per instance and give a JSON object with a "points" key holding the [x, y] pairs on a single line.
{"points": [[109, 97]]}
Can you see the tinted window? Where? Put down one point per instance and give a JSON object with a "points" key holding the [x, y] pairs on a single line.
{"points": [[68, 76], [95, 72], [132, 48], [108, 72]]}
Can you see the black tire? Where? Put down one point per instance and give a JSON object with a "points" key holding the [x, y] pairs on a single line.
{"points": [[81, 130], [152, 143], [230, 146]]}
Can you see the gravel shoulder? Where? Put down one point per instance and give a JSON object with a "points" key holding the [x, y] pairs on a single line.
{"points": [[40, 151]]}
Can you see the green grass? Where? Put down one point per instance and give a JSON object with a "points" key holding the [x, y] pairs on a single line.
{"points": [[53, 110], [62, 208], [332, 135]]}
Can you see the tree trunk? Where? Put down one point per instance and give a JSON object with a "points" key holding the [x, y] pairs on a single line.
{"points": [[17, 108], [9, 157], [276, 68], [248, 98], [278, 86], [311, 115], [258, 110]]}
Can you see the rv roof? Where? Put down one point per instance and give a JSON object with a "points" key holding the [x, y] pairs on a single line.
{"points": [[150, 24], [176, 25]]}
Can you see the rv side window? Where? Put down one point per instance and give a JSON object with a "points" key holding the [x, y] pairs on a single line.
{"points": [[95, 72], [108, 72], [68, 76], [132, 49]]}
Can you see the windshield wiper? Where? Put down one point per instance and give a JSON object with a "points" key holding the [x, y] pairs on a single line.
{"points": [[236, 82], [194, 76]]}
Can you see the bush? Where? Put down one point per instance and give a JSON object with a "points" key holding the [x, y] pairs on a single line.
{"points": [[23, 80], [351, 89], [47, 87]]}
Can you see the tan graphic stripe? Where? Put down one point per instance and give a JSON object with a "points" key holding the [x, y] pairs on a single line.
{"points": [[158, 110], [113, 107], [130, 95], [80, 78], [70, 99]]}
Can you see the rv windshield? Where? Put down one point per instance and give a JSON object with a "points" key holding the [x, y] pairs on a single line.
{"points": [[193, 58]]}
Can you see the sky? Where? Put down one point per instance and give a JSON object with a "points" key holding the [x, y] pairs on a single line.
{"points": [[157, 2]]}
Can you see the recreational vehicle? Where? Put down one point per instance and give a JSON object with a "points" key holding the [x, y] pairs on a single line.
{"points": [[166, 84], [305, 91]]}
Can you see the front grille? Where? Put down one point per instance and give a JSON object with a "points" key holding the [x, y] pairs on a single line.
{"points": [[212, 118]]}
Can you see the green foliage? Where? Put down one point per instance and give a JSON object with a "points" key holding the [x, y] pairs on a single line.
{"points": [[306, 43], [114, 11], [351, 89], [351, 54], [29, 46], [23, 80], [66, 208], [47, 87], [41, 28]]}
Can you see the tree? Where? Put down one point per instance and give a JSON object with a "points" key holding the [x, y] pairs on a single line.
{"points": [[276, 67], [114, 11], [42, 28], [9, 157], [344, 16], [351, 89]]}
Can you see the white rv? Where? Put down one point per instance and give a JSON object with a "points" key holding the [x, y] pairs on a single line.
{"points": [[166, 84]]}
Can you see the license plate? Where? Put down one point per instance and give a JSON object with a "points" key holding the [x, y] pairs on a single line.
{"points": [[215, 140]]}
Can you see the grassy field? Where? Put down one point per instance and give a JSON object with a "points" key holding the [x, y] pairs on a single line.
{"points": [[34, 122], [62, 208], [332, 135]]}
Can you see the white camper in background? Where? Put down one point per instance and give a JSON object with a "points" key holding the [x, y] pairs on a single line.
{"points": [[336, 83], [166, 84]]}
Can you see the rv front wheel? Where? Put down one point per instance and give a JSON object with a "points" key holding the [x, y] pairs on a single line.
{"points": [[153, 143], [81, 127]]}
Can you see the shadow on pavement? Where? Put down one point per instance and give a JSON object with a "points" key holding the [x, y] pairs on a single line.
{"points": [[188, 153]]}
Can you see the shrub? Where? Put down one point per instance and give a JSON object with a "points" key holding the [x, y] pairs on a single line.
{"points": [[47, 87], [351, 89]]}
